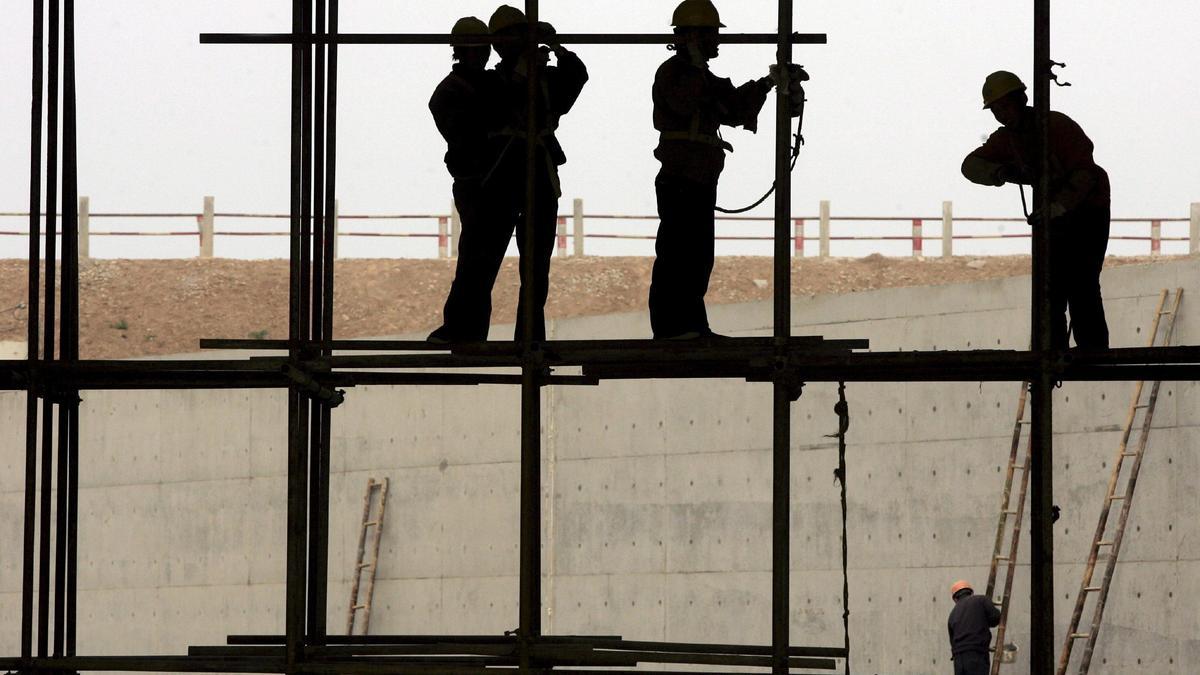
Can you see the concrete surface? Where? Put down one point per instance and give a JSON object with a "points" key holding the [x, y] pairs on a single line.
{"points": [[657, 503]]}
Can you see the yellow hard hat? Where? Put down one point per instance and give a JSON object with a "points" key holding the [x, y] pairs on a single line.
{"points": [[505, 16], [696, 14], [1000, 84], [959, 586], [469, 25]]}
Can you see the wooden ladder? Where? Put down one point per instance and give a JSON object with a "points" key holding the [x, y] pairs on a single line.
{"points": [[376, 494], [1008, 535], [1111, 538]]}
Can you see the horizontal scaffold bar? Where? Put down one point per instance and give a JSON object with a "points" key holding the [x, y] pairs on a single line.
{"points": [[446, 39]]}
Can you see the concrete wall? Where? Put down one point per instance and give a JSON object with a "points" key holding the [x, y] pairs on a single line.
{"points": [[657, 511]]}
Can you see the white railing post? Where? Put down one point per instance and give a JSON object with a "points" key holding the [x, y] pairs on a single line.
{"points": [[560, 236], [336, 233], [1155, 238], [824, 245], [206, 227], [443, 244], [85, 249], [947, 229], [798, 234], [1194, 231], [577, 229], [455, 229], [918, 238]]}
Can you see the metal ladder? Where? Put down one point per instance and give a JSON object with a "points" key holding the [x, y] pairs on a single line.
{"points": [[1008, 536], [1117, 535], [361, 566]]}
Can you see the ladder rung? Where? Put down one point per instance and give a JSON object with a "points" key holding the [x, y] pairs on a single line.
{"points": [[1001, 557], [1091, 589], [1011, 511], [365, 565], [1026, 422], [1129, 454], [357, 607], [1018, 467], [1104, 543], [1166, 311], [1113, 498], [370, 522], [1080, 636], [1142, 405]]}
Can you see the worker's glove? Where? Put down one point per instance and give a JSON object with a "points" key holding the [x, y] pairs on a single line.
{"points": [[1010, 173], [794, 81], [1056, 211]]}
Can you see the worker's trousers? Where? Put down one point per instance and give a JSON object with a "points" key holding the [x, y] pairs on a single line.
{"points": [[481, 246], [684, 256], [511, 214], [1078, 242], [971, 663]]}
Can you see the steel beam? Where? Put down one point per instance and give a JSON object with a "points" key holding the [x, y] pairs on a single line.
{"points": [[446, 39]]}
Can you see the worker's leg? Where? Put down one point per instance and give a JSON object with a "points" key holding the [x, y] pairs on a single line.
{"points": [[481, 247], [1061, 252], [1083, 290], [684, 256], [545, 224], [971, 663]]}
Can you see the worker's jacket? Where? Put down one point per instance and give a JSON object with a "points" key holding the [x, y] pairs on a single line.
{"points": [[460, 106], [970, 624], [690, 105], [1009, 155], [560, 87]]}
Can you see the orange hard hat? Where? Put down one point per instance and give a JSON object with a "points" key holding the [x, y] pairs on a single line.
{"points": [[960, 585]]}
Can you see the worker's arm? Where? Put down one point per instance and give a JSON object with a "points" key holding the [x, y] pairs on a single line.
{"points": [[740, 106], [1073, 150], [994, 163], [993, 612], [566, 80]]}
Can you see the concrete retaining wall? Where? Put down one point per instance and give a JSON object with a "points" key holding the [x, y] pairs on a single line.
{"points": [[657, 511]]}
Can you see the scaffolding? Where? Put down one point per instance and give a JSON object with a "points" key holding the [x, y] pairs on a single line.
{"points": [[316, 365]]}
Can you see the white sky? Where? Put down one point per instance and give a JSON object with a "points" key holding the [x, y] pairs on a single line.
{"points": [[893, 107]]}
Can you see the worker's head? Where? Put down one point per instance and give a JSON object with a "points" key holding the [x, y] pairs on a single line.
{"points": [[961, 589], [697, 28], [1004, 94], [508, 21], [471, 54]]}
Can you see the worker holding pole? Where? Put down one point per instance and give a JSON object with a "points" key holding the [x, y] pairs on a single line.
{"points": [[970, 625], [690, 105], [460, 107], [1078, 215]]}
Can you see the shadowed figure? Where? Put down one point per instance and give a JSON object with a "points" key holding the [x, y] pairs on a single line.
{"points": [[970, 627], [492, 202], [690, 106], [1078, 215]]}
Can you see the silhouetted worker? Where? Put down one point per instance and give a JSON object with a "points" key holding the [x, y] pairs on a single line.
{"points": [[560, 86], [970, 626], [1078, 215], [690, 105], [460, 107]]}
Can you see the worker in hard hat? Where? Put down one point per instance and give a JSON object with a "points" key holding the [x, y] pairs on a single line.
{"points": [[558, 89], [690, 105], [970, 627], [1078, 214], [460, 106]]}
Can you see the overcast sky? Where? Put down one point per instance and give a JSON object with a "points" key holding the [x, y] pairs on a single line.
{"points": [[893, 104]]}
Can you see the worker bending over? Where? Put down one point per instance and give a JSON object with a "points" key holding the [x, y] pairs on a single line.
{"points": [[462, 109], [558, 88], [690, 106], [970, 626], [1078, 215]]}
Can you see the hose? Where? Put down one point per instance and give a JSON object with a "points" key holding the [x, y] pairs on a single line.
{"points": [[798, 141]]}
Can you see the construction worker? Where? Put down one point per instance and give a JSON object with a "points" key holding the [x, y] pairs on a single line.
{"points": [[558, 88], [460, 105], [690, 106], [1078, 215], [970, 626]]}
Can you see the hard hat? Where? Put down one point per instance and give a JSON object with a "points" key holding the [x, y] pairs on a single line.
{"points": [[469, 25], [998, 85], [696, 14], [960, 585], [505, 16]]}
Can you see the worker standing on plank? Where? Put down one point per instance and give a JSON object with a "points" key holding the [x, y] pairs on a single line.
{"points": [[690, 105], [1078, 215], [558, 87], [970, 625], [460, 106]]}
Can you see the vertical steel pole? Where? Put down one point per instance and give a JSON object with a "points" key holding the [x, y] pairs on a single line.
{"points": [[44, 551], [781, 498], [1041, 656], [31, 399], [295, 587], [530, 598]]}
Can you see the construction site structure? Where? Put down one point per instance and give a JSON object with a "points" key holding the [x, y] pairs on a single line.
{"points": [[316, 366]]}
